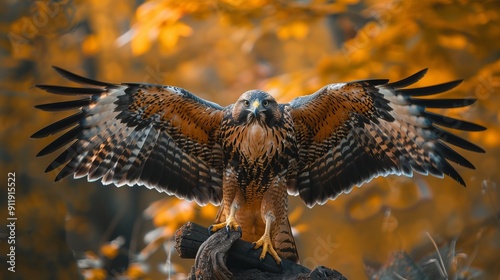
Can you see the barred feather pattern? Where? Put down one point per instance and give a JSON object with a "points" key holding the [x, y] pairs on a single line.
{"points": [[248, 157], [137, 134], [349, 133]]}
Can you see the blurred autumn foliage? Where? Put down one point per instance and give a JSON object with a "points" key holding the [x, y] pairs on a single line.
{"points": [[219, 49]]}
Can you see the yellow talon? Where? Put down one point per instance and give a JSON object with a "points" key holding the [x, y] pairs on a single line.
{"points": [[230, 222], [266, 243], [267, 247], [216, 227]]}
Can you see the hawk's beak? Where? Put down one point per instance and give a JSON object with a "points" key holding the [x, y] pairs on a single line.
{"points": [[255, 107]]}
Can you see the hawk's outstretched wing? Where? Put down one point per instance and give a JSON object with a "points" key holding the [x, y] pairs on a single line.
{"points": [[349, 133], [158, 136]]}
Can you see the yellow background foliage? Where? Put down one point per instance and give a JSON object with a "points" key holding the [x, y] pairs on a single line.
{"points": [[219, 49]]}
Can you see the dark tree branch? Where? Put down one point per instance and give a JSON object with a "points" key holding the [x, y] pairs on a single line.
{"points": [[224, 256]]}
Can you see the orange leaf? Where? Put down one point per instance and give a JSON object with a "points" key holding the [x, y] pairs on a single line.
{"points": [[110, 251], [95, 274], [141, 43], [136, 271], [457, 42], [296, 29]]}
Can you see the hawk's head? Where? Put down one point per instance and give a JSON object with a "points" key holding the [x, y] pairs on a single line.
{"points": [[259, 106]]}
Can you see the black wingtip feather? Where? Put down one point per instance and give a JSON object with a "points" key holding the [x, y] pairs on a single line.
{"points": [[423, 91], [62, 106], [79, 79], [457, 141], [61, 141], [444, 103], [66, 156], [67, 170], [453, 123], [409, 80], [452, 155], [70, 90], [58, 126], [450, 171]]}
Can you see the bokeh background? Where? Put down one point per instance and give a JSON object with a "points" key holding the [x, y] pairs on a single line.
{"points": [[219, 49]]}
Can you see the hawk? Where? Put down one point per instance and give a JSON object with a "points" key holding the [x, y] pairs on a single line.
{"points": [[249, 155]]}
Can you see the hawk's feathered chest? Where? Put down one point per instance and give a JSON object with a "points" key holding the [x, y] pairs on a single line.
{"points": [[257, 152], [258, 142]]}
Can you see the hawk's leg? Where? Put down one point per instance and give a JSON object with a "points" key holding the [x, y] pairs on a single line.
{"points": [[230, 222], [265, 241]]}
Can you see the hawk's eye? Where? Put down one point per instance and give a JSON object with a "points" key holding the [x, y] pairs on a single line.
{"points": [[246, 103], [265, 102]]}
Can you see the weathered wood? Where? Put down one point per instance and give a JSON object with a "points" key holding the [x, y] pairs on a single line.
{"points": [[223, 255], [189, 238]]}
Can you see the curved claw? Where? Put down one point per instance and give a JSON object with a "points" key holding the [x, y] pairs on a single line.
{"points": [[261, 260], [228, 225], [210, 230], [228, 230], [267, 247]]}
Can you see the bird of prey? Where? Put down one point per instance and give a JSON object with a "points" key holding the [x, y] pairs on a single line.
{"points": [[249, 155]]}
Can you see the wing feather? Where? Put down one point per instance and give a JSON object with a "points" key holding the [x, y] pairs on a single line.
{"points": [[443, 103], [58, 126], [408, 81], [82, 80], [161, 137], [63, 106], [453, 123], [61, 90], [424, 91], [349, 133], [61, 141]]}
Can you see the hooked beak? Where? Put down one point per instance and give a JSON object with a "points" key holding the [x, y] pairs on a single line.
{"points": [[255, 108]]}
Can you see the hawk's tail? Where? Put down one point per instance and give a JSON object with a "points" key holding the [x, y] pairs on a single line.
{"points": [[284, 243]]}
